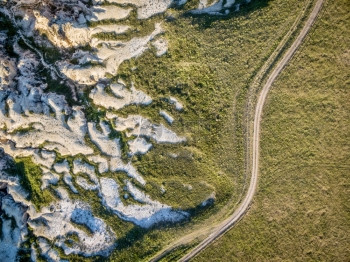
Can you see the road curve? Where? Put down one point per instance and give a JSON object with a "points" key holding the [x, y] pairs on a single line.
{"points": [[242, 209]]}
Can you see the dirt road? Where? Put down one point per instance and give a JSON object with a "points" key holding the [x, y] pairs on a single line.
{"points": [[242, 209]]}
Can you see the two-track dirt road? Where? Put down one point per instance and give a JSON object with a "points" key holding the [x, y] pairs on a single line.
{"points": [[242, 209]]}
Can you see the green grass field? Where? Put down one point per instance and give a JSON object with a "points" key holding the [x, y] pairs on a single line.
{"points": [[301, 210]]}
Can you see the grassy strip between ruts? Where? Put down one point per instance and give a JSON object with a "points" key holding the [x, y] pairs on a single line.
{"points": [[301, 210]]}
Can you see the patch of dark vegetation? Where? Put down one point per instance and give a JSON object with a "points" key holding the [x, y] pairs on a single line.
{"points": [[94, 114], [25, 249], [29, 175], [123, 141], [50, 52], [140, 28], [11, 31], [22, 130], [58, 86]]}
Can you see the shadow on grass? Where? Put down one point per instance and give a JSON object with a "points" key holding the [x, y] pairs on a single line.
{"points": [[137, 233]]}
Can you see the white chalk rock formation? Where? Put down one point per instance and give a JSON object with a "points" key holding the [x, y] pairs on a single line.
{"points": [[7, 70], [145, 8], [178, 105], [121, 96], [59, 222], [139, 145], [161, 46], [145, 215], [135, 125], [166, 116], [109, 12], [217, 7], [13, 225]]}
